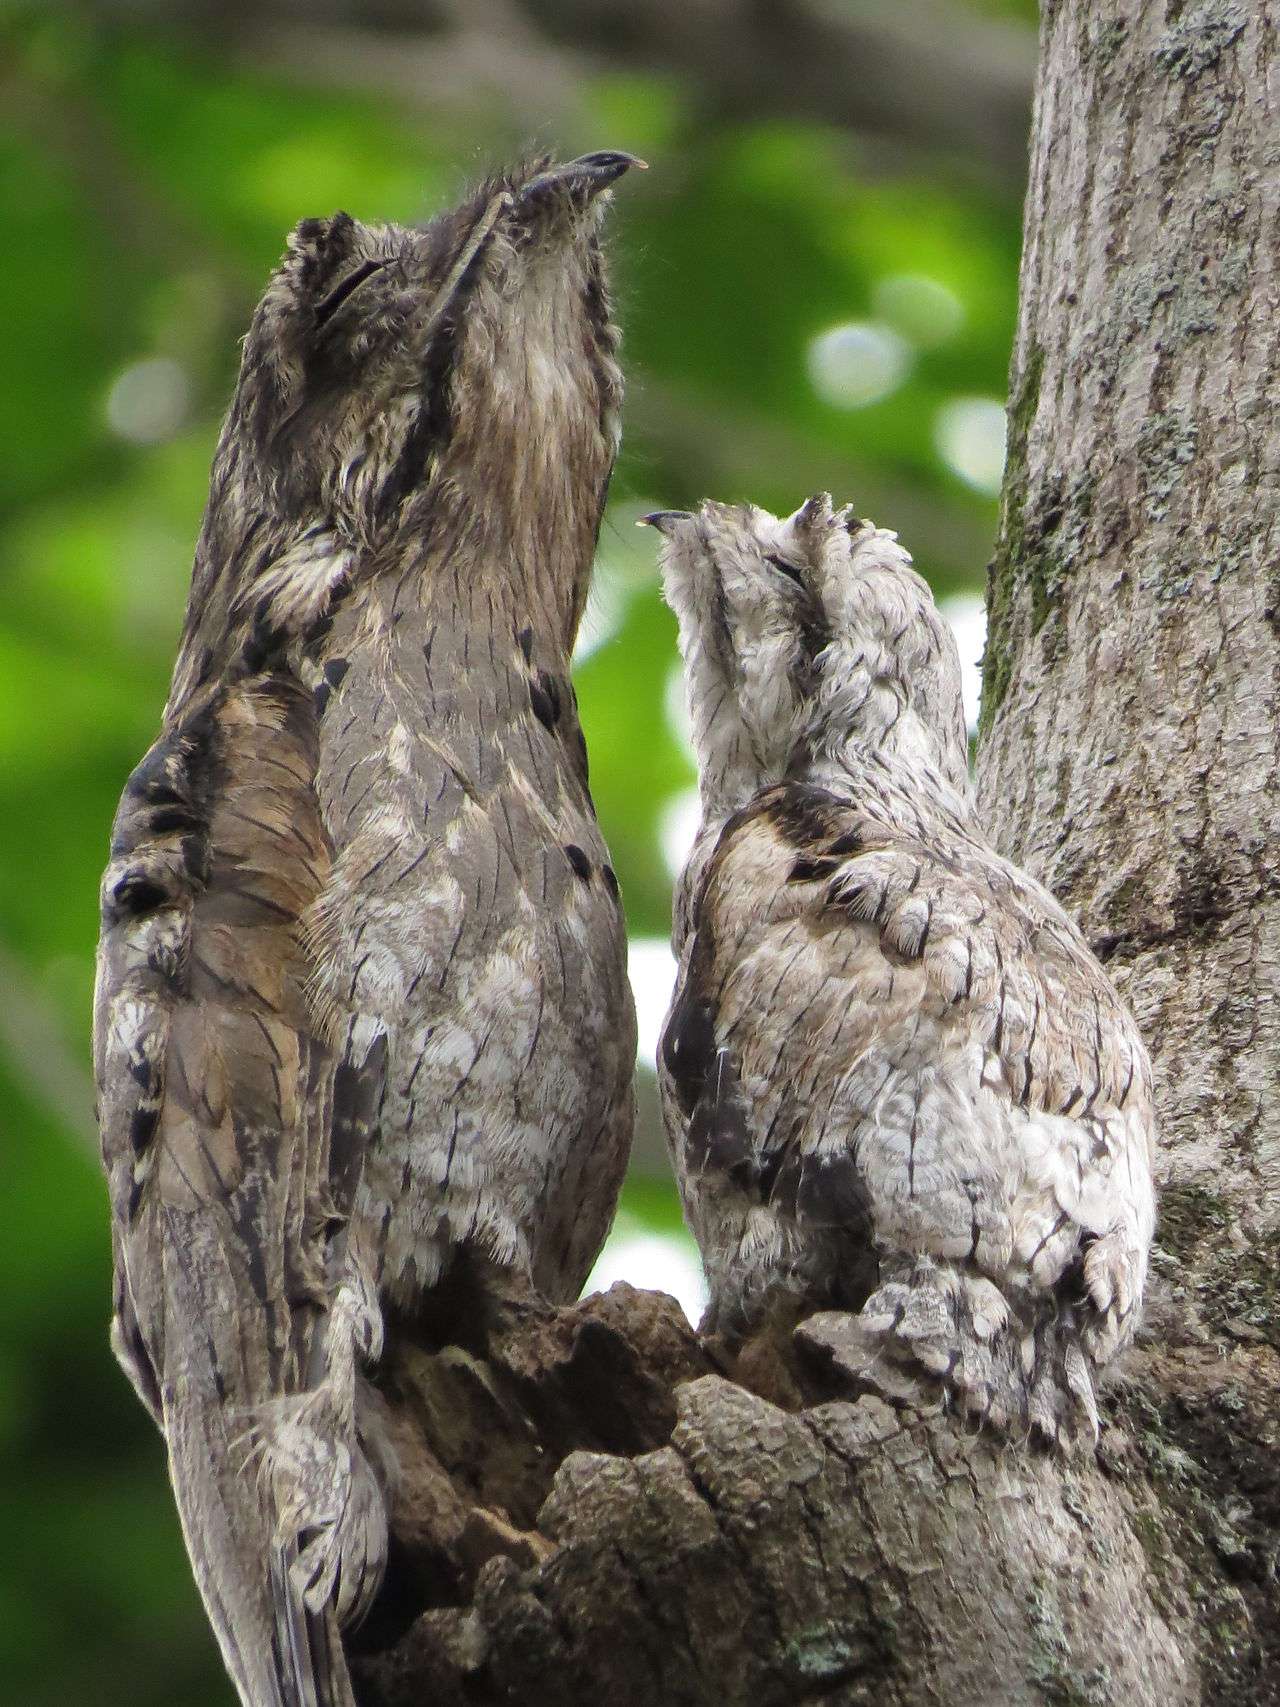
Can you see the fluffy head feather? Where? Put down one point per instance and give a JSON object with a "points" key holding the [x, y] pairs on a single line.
{"points": [[807, 638]]}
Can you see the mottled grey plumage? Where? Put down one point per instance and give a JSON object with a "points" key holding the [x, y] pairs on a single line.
{"points": [[895, 1078], [362, 1016]]}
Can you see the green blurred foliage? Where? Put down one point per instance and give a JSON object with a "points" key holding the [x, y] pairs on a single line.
{"points": [[146, 188]]}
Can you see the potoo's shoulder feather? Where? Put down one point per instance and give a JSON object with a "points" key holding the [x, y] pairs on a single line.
{"points": [[936, 897], [215, 1088]]}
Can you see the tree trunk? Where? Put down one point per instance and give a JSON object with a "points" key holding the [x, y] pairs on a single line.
{"points": [[588, 1509], [1132, 680]]}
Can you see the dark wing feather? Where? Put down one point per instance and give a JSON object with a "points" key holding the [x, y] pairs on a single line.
{"points": [[214, 1088]]}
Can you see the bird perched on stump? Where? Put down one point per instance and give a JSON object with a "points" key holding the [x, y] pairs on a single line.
{"points": [[895, 1079], [362, 1017]]}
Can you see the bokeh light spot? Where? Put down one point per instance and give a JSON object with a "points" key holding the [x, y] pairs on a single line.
{"points": [[969, 433], [657, 1262], [149, 401], [652, 969], [677, 826], [968, 620], [923, 309], [858, 363]]}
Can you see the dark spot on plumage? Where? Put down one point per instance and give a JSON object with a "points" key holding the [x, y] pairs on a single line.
{"points": [[1128, 1086], [320, 697], [584, 768], [928, 927], [335, 670], [806, 817], [358, 1088], [173, 819], [428, 646], [245, 1208], [1072, 1100], [525, 641], [158, 780], [807, 870], [545, 699], [578, 860], [155, 790], [135, 1347], [195, 857], [719, 1137], [791, 570], [262, 644], [610, 880], [317, 632], [728, 1151], [688, 1044], [831, 1192], [142, 1128], [315, 237], [767, 1167], [1071, 1287], [815, 637], [144, 1075], [163, 961], [851, 842], [432, 423], [329, 305], [134, 1202], [137, 893]]}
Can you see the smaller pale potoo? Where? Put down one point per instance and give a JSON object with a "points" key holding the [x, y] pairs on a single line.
{"points": [[362, 1021], [895, 1079]]}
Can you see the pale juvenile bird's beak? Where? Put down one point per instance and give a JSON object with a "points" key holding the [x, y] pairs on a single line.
{"points": [[664, 520]]}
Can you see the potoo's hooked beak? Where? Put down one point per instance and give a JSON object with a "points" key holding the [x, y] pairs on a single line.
{"points": [[590, 173], [665, 520]]}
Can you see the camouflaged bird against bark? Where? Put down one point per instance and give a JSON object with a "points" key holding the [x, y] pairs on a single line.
{"points": [[895, 1078], [362, 1018]]}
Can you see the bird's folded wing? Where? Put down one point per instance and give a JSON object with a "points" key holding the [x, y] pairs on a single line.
{"points": [[215, 1092]]}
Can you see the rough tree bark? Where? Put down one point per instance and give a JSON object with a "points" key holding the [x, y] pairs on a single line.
{"points": [[589, 1508], [1131, 697]]}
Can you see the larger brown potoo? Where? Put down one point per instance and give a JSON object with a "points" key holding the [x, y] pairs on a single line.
{"points": [[362, 1018], [895, 1078]]}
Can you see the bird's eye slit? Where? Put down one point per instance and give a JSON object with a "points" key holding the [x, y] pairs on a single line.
{"points": [[328, 306], [787, 569]]}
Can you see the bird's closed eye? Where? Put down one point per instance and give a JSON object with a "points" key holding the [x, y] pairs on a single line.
{"points": [[785, 568], [328, 306]]}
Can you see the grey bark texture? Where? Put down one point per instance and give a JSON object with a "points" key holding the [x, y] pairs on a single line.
{"points": [[1129, 750], [590, 1506]]}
